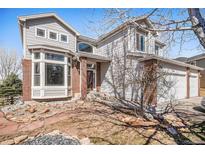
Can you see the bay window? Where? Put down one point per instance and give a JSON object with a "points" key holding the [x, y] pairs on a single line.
{"points": [[51, 74]]}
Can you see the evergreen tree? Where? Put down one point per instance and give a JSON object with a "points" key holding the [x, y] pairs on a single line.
{"points": [[10, 88]]}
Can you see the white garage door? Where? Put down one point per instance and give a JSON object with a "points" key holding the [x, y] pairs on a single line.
{"points": [[179, 86], [193, 79]]}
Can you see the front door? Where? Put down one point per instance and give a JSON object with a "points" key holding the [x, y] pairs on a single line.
{"points": [[90, 80]]}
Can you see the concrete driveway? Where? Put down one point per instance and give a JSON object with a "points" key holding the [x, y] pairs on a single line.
{"points": [[190, 109]]}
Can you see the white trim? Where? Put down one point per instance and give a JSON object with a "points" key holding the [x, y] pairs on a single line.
{"points": [[60, 37], [41, 29], [24, 40], [49, 30]]}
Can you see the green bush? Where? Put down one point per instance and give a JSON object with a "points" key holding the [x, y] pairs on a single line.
{"points": [[10, 88]]}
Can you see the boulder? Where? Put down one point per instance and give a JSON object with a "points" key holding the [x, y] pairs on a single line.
{"points": [[20, 138], [85, 141], [45, 110], [31, 109]]}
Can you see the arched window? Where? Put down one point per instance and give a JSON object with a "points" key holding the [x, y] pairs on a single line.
{"points": [[83, 47]]}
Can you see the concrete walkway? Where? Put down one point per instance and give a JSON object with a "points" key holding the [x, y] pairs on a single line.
{"points": [[10, 127]]}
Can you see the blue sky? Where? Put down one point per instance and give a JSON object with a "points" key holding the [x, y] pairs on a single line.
{"points": [[78, 18]]}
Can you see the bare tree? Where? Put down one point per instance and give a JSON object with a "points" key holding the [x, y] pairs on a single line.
{"points": [[10, 63]]}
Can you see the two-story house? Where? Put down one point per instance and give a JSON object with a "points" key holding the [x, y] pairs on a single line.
{"points": [[59, 63]]}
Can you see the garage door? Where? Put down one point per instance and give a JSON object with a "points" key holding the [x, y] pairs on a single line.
{"points": [[179, 86], [193, 79]]}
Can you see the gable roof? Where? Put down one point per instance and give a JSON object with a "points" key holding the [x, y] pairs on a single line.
{"points": [[197, 57], [22, 19], [171, 61], [129, 22], [46, 15]]}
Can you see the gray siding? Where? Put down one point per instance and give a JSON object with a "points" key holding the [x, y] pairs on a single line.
{"points": [[49, 24]]}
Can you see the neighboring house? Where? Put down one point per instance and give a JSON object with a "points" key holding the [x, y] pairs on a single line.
{"points": [[60, 63]]}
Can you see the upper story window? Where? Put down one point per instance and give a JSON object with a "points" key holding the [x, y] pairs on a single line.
{"points": [[84, 47], [53, 35], [64, 38], [140, 41], [156, 49], [56, 57], [40, 32]]}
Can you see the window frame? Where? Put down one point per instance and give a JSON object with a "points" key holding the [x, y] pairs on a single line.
{"points": [[52, 60], [36, 74], [155, 49], [60, 37], [69, 75], [53, 31], [84, 43], [45, 76], [41, 29], [138, 42]]}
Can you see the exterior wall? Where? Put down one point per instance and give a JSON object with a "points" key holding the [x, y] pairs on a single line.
{"points": [[111, 47], [26, 79], [48, 24]]}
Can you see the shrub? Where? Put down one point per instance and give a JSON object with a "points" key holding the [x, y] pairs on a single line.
{"points": [[10, 88]]}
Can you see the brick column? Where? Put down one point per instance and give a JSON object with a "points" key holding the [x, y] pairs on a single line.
{"points": [[98, 81], [150, 90], [199, 85], [83, 71], [27, 77], [75, 78], [188, 82]]}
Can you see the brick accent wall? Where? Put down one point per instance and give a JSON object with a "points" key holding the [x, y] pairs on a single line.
{"points": [[83, 71], [98, 82], [150, 90], [27, 68], [75, 77]]}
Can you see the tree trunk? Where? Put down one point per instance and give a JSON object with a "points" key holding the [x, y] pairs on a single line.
{"points": [[198, 24]]}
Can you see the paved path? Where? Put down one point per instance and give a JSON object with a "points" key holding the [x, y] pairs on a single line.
{"points": [[191, 109], [10, 127]]}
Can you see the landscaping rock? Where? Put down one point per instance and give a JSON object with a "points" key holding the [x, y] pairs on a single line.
{"points": [[20, 138], [45, 110], [51, 140], [32, 109], [7, 142], [85, 141]]}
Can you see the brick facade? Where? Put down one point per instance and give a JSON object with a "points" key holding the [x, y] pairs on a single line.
{"points": [[27, 65], [150, 89], [75, 78], [83, 71]]}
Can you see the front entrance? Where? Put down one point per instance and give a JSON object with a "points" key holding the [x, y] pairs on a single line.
{"points": [[91, 77]]}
